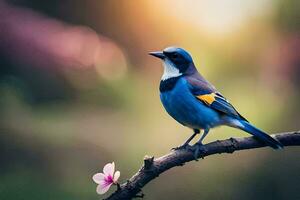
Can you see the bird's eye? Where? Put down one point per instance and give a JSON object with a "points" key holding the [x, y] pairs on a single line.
{"points": [[175, 55]]}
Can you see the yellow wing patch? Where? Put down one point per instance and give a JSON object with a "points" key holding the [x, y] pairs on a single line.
{"points": [[207, 98]]}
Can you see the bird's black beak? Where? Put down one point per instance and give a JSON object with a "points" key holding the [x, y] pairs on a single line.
{"points": [[157, 54]]}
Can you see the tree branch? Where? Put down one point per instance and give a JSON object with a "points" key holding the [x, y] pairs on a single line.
{"points": [[152, 168]]}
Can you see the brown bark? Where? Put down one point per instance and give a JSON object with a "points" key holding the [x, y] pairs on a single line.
{"points": [[152, 168]]}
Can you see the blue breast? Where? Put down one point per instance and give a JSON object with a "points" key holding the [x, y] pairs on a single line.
{"points": [[181, 104]]}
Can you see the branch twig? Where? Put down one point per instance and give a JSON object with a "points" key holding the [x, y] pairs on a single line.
{"points": [[152, 168]]}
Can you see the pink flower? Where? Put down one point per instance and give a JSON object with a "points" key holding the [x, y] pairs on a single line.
{"points": [[107, 178]]}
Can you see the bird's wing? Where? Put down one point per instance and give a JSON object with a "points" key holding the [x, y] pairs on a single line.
{"points": [[206, 93]]}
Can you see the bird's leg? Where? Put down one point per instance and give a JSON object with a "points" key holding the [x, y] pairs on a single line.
{"points": [[196, 131], [184, 145], [199, 144], [202, 137]]}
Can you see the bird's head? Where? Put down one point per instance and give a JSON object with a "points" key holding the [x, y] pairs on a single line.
{"points": [[176, 61]]}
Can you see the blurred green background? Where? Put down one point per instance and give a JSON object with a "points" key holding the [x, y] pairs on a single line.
{"points": [[78, 90]]}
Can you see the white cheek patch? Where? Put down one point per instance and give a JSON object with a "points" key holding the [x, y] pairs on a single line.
{"points": [[170, 70]]}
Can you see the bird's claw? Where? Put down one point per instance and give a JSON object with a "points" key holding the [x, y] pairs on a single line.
{"points": [[198, 149], [184, 146]]}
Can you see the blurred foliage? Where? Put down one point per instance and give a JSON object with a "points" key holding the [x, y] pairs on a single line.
{"points": [[78, 90]]}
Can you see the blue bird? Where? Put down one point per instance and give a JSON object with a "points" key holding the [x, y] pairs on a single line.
{"points": [[195, 103]]}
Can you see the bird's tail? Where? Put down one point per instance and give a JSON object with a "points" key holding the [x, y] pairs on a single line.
{"points": [[246, 126]]}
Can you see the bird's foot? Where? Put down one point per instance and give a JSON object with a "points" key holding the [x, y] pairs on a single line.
{"points": [[198, 149], [184, 146]]}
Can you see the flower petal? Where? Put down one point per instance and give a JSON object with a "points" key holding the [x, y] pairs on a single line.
{"points": [[98, 178], [102, 188], [109, 169], [116, 176]]}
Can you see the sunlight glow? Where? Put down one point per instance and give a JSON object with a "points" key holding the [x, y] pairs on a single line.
{"points": [[215, 16]]}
